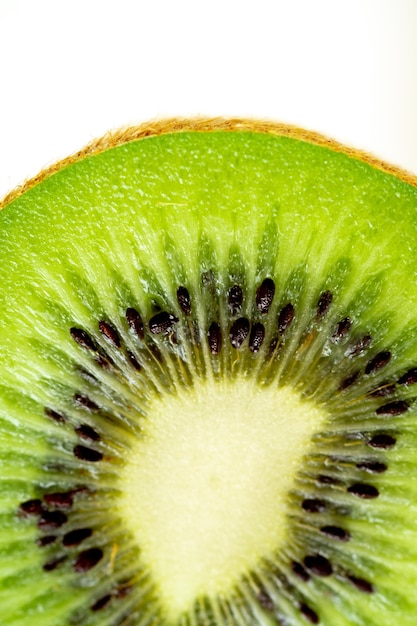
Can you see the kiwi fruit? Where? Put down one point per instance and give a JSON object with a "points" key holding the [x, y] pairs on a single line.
{"points": [[208, 357]]}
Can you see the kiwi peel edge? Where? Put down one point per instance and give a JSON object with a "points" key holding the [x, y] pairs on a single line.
{"points": [[163, 126]]}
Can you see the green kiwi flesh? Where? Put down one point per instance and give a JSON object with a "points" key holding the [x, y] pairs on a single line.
{"points": [[208, 357]]}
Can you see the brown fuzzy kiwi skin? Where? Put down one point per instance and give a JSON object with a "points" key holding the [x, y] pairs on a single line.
{"points": [[154, 128]]}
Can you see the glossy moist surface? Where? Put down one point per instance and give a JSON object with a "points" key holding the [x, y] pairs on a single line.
{"points": [[208, 356]]}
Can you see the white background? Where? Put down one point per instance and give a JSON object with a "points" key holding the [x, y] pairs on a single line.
{"points": [[71, 70]]}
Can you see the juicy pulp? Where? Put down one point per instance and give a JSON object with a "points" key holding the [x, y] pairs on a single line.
{"points": [[128, 226]]}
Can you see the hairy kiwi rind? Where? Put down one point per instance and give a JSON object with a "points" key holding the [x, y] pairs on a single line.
{"points": [[310, 325], [200, 124]]}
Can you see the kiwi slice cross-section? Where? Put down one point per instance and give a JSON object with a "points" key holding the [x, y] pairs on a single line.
{"points": [[208, 357]]}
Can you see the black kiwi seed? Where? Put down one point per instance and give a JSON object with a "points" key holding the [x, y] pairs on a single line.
{"points": [[85, 402], [379, 361], [135, 322], [50, 520], [264, 295], [59, 500], [133, 361], [83, 338], [323, 304], [382, 441], [361, 584], [285, 318], [214, 337], [155, 351], [87, 454], [318, 565], [57, 417], [409, 378], [335, 532], [309, 614], [373, 467], [235, 299], [238, 332], [75, 537], [85, 431], [349, 381], [363, 490], [300, 571], [324, 479], [184, 300], [87, 559], [101, 602], [313, 505], [257, 335], [31, 507], [342, 329], [47, 540], [51, 565], [110, 333], [162, 322], [397, 407], [360, 346]]}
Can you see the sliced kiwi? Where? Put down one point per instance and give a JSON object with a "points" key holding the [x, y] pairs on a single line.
{"points": [[208, 357]]}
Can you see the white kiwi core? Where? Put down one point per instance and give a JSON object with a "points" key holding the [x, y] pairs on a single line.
{"points": [[205, 490]]}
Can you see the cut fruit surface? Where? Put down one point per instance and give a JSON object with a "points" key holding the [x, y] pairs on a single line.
{"points": [[208, 356]]}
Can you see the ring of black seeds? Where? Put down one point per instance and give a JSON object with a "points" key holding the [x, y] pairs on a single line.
{"points": [[53, 510]]}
